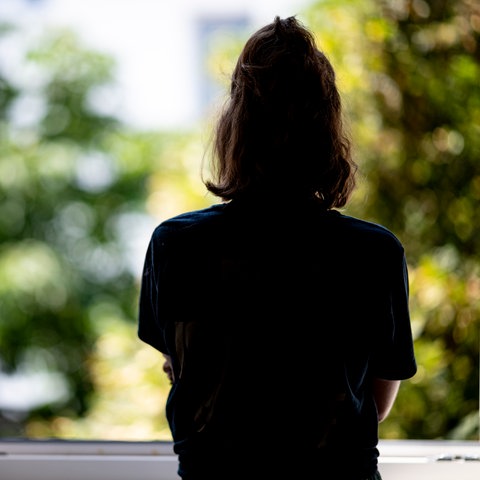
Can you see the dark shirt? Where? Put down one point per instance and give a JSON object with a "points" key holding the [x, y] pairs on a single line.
{"points": [[277, 315]]}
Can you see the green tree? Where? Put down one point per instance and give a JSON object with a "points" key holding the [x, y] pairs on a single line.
{"points": [[73, 186], [58, 252]]}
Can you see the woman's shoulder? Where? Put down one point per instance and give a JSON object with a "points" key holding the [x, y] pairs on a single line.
{"points": [[189, 221], [366, 231]]}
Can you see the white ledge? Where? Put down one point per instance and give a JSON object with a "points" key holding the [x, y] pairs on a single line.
{"points": [[106, 460]]}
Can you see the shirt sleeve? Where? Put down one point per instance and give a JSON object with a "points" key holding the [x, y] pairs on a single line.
{"points": [[394, 357], [149, 328]]}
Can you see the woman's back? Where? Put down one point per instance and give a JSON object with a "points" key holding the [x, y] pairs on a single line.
{"points": [[270, 311]]}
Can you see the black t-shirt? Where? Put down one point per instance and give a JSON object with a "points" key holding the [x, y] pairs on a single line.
{"points": [[277, 315]]}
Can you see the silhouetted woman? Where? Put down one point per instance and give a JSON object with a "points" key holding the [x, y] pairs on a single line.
{"points": [[284, 323]]}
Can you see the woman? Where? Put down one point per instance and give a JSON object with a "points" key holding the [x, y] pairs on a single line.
{"points": [[284, 323]]}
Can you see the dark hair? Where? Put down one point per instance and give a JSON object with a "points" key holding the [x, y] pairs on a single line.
{"points": [[281, 128]]}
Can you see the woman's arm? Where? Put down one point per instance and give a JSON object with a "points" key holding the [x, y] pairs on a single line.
{"points": [[385, 393], [168, 368]]}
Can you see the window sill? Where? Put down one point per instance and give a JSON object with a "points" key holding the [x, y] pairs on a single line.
{"points": [[104, 460]]}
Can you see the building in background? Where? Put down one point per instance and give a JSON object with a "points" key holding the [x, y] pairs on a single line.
{"points": [[161, 46]]}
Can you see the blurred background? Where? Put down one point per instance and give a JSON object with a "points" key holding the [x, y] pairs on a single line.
{"points": [[106, 109]]}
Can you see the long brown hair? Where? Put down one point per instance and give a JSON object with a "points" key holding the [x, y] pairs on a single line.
{"points": [[281, 130]]}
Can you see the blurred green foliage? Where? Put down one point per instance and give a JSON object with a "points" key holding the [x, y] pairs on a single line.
{"points": [[80, 193]]}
